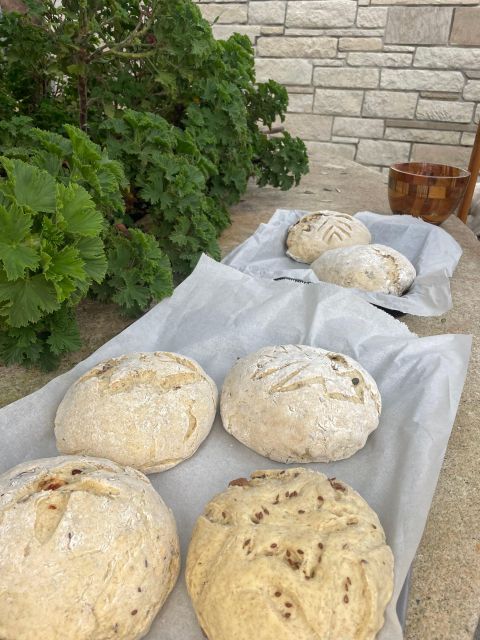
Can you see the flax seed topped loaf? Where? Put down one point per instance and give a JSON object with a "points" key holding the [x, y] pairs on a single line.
{"points": [[318, 232], [297, 403], [88, 551], [291, 555]]}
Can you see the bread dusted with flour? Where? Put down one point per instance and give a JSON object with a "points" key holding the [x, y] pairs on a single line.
{"points": [[318, 232], [89, 551], [296, 403], [374, 267], [146, 410], [291, 555]]}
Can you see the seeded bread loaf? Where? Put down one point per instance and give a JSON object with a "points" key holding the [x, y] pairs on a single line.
{"points": [[146, 410], [374, 267], [296, 403], [88, 551], [318, 232], [291, 555]]}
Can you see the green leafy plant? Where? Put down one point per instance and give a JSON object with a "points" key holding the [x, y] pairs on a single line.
{"points": [[95, 59], [131, 268], [51, 251], [184, 125]]}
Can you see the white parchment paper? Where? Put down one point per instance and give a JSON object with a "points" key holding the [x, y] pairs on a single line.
{"points": [[219, 314], [432, 251]]}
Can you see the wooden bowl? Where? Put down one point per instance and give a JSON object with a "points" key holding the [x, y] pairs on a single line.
{"points": [[429, 191]]}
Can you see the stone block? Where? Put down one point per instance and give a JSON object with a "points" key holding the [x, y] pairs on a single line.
{"points": [[380, 59], [309, 126], [267, 12], [440, 95], [359, 127], [271, 29], [224, 13], [421, 80], [422, 135], [418, 25], [224, 31], [422, 2], [284, 70], [472, 90], [326, 151], [447, 58], [321, 14], [466, 27], [430, 124], [352, 32], [371, 18], [300, 47], [444, 110], [338, 102], [346, 77], [401, 48], [389, 104], [467, 139], [300, 102], [360, 44], [382, 152], [476, 119], [294, 89], [345, 140], [441, 153], [472, 73]]}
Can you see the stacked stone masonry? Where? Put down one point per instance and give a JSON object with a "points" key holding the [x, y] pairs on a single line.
{"points": [[376, 81]]}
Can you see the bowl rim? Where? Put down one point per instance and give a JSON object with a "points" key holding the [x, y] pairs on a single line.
{"points": [[464, 173]]}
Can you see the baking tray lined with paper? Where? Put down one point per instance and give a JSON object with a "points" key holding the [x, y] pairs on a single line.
{"points": [[219, 314], [431, 250]]}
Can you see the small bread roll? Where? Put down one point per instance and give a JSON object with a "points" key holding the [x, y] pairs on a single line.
{"points": [[374, 267], [145, 410], [295, 403], [318, 232], [88, 551], [291, 555]]}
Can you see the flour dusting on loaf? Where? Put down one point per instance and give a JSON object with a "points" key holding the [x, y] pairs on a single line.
{"points": [[89, 551], [292, 555], [318, 232], [146, 410], [297, 403], [375, 267]]}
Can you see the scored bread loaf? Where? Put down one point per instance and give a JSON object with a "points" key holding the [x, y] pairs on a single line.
{"points": [[297, 403], [146, 410], [89, 551], [374, 267], [292, 555], [318, 232]]}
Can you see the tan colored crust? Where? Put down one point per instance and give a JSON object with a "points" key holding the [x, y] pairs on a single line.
{"points": [[296, 403], [89, 551], [290, 555], [146, 410], [321, 231], [375, 267]]}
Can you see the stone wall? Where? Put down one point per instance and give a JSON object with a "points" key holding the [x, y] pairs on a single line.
{"points": [[378, 81]]}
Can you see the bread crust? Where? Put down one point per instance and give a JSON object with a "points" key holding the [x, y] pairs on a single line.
{"points": [[148, 410], [321, 231], [297, 403], [88, 551], [291, 555]]}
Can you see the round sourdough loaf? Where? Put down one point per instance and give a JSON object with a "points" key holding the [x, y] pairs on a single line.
{"points": [[374, 267], [291, 555], [296, 403], [146, 410], [318, 232], [89, 551]]}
